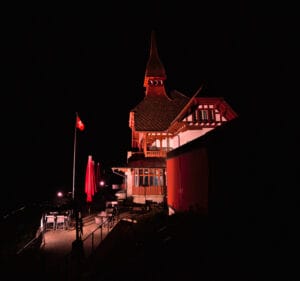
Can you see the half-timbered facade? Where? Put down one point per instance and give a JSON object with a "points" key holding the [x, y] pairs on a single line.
{"points": [[160, 123]]}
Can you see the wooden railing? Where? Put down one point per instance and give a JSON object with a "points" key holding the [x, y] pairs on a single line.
{"points": [[147, 190], [158, 153], [153, 153]]}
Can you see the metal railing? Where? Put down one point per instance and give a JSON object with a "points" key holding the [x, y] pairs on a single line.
{"points": [[72, 267], [38, 237], [92, 240]]}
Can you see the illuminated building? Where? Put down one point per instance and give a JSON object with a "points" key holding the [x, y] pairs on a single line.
{"points": [[161, 123]]}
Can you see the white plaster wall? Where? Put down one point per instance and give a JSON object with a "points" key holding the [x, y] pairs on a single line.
{"points": [[187, 136]]}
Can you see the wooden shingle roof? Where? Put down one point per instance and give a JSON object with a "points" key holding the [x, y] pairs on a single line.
{"points": [[156, 113]]}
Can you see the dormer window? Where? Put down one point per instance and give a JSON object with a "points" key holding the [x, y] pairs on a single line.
{"points": [[155, 82]]}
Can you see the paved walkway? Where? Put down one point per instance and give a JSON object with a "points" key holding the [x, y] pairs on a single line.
{"points": [[60, 258], [60, 241], [57, 256]]}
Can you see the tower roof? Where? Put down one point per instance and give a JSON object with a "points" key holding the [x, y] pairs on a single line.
{"points": [[154, 67]]}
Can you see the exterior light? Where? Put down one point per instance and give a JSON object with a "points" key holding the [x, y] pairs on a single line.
{"points": [[59, 194]]}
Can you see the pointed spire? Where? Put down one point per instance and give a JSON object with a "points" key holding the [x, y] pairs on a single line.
{"points": [[154, 68]]}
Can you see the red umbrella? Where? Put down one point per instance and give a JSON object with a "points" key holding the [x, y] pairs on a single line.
{"points": [[90, 184]]}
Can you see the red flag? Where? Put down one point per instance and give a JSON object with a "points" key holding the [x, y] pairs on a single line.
{"points": [[79, 124]]}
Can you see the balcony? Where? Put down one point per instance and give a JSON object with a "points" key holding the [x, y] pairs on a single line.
{"points": [[158, 153]]}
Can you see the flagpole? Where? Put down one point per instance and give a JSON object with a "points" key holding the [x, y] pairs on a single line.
{"points": [[77, 245], [74, 158]]}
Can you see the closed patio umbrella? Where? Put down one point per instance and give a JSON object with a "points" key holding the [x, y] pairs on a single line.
{"points": [[90, 183]]}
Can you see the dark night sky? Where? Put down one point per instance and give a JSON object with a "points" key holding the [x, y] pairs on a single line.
{"points": [[95, 63]]}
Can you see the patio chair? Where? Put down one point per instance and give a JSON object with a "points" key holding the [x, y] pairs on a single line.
{"points": [[50, 222], [60, 222]]}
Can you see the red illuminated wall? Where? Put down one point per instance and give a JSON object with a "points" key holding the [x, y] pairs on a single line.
{"points": [[187, 180], [215, 166]]}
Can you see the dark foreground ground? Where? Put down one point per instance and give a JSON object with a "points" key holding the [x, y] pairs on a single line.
{"points": [[184, 246], [188, 246], [156, 248]]}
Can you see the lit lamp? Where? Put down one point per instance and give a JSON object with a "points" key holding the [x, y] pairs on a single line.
{"points": [[59, 194]]}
